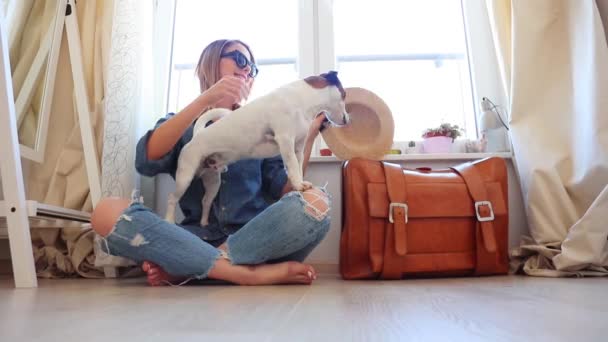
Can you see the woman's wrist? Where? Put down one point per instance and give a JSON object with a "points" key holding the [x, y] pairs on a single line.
{"points": [[202, 102], [195, 109], [312, 136]]}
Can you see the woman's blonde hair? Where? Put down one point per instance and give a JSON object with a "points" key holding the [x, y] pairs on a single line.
{"points": [[208, 67]]}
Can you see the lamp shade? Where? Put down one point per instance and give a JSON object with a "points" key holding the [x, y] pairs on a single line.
{"points": [[489, 118]]}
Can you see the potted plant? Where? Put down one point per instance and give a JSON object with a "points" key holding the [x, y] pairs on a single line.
{"points": [[440, 139]]}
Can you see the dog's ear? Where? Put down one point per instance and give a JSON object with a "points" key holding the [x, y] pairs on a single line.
{"points": [[331, 77]]}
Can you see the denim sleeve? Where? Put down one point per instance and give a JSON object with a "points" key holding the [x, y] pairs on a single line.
{"points": [[274, 176], [166, 164]]}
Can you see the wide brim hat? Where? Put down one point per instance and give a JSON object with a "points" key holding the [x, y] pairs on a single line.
{"points": [[370, 132]]}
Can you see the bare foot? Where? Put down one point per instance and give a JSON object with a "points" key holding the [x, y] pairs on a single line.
{"points": [[290, 272], [157, 276]]}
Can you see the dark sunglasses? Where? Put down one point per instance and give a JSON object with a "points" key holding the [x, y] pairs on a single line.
{"points": [[241, 61]]}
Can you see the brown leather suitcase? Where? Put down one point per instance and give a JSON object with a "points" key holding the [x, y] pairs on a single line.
{"points": [[418, 223]]}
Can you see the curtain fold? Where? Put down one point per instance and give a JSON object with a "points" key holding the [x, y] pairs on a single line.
{"points": [[500, 19], [554, 59]]}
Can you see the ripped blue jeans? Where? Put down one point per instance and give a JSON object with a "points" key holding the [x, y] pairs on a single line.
{"points": [[287, 230]]}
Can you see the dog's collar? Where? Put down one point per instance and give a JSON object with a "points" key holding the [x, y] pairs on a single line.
{"points": [[328, 121]]}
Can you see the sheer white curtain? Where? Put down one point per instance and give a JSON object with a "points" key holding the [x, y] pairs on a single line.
{"points": [[554, 64], [128, 94], [134, 85]]}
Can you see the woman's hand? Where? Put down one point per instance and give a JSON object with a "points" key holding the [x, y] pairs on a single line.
{"points": [[315, 127], [228, 91]]}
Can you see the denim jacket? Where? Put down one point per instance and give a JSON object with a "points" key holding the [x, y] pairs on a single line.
{"points": [[244, 193]]}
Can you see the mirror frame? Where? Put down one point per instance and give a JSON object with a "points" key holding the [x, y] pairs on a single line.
{"points": [[52, 40]]}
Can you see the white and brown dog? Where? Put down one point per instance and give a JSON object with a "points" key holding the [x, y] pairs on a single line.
{"points": [[274, 124]]}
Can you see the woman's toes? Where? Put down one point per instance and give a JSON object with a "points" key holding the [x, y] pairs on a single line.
{"points": [[148, 266], [299, 269], [153, 282], [307, 270], [303, 280], [154, 279], [312, 273]]}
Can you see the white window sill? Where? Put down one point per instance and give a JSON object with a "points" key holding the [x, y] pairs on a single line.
{"points": [[423, 156]]}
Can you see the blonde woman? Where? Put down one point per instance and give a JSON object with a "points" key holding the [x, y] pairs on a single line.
{"points": [[248, 241]]}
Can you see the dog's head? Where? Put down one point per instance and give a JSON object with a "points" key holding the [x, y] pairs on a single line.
{"points": [[336, 110]]}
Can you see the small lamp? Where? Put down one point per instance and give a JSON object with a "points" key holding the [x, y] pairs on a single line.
{"points": [[490, 126]]}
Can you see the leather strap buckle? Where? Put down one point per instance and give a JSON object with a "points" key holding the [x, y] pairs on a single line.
{"points": [[486, 218], [401, 205]]}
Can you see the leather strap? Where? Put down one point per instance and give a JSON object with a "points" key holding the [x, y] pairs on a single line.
{"points": [[395, 184], [396, 235], [487, 256]]}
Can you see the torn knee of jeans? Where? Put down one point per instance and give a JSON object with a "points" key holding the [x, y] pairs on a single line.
{"points": [[125, 217], [316, 203], [224, 255], [136, 197], [138, 240]]}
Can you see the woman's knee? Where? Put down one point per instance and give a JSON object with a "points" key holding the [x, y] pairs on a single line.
{"points": [[106, 213], [316, 203]]}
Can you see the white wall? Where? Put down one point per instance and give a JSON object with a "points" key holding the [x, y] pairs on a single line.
{"points": [[321, 172]]}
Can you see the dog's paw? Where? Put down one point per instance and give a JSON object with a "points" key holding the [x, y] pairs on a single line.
{"points": [[303, 186], [204, 222], [170, 219]]}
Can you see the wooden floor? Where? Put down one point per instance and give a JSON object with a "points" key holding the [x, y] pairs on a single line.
{"points": [[510, 308]]}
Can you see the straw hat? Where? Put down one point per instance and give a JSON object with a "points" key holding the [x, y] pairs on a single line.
{"points": [[369, 134]]}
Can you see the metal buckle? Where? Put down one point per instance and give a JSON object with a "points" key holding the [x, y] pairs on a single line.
{"points": [[390, 211], [484, 219]]}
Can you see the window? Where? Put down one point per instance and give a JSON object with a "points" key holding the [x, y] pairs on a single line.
{"points": [[415, 54], [198, 23]]}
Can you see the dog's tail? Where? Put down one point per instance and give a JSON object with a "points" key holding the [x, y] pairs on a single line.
{"points": [[209, 117]]}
